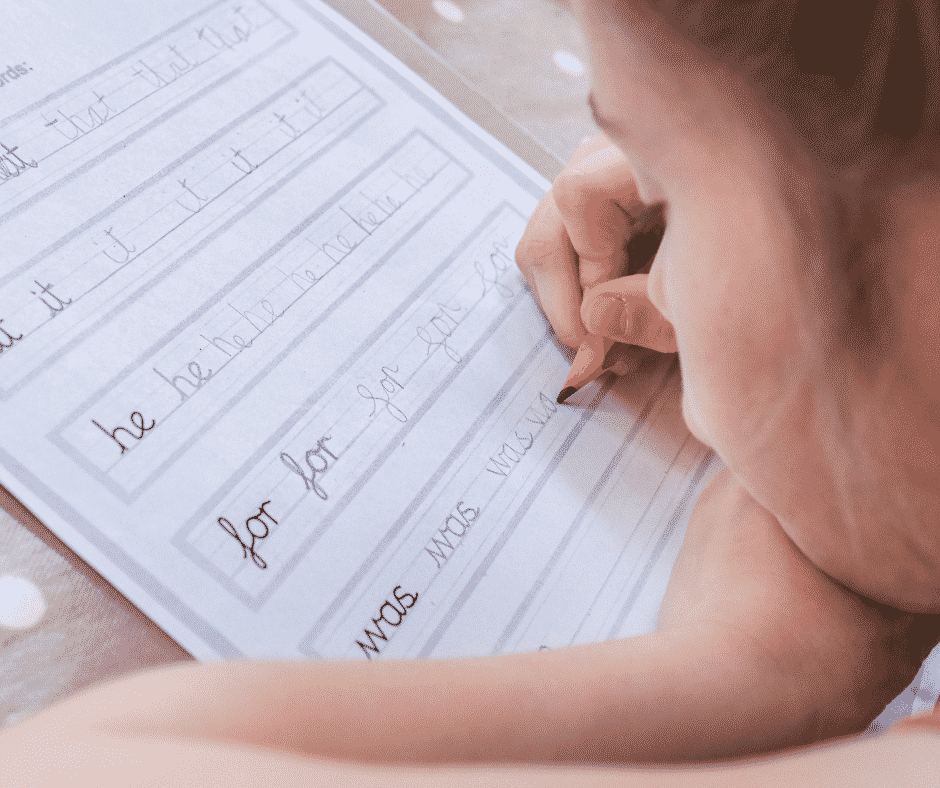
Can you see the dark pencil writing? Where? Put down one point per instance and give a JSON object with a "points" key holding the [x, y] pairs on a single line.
{"points": [[7, 340], [407, 601], [121, 434], [258, 528]]}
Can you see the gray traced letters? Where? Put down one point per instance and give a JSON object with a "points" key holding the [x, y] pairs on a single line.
{"points": [[440, 547]]}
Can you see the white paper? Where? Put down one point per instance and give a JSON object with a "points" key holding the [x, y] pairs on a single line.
{"points": [[267, 362]]}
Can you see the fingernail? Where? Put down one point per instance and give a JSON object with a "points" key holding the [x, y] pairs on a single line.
{"points": [[608, 316]]}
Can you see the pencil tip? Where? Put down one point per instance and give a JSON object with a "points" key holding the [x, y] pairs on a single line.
{"points": [[565, 393]]}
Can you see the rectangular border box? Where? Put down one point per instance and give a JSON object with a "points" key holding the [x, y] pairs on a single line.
{"points": [[80, 337], [129, 496], [135, 135]]}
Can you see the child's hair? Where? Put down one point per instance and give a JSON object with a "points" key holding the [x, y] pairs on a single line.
{"points": [[859, 79]]}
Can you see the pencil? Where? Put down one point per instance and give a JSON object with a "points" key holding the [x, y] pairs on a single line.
{"points": [[589, 361], [588, 365]]}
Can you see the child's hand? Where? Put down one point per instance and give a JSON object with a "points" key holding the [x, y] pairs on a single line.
{"points": [[577, 240]]}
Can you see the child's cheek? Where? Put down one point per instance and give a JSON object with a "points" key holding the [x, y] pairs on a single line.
{"points": [[692, 416]]}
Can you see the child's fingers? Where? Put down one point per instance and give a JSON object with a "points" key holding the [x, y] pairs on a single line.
{"points": [[621, 310], [625, 359], [548, 261], [597, 197]]}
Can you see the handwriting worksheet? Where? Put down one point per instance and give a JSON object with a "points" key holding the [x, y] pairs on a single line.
{"points": [[266, 360]]}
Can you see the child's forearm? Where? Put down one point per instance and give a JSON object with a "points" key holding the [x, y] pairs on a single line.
{"points": [[48, 755], [664, 697]]}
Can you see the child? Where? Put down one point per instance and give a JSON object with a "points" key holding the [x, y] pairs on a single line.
{"points": [[792, 149]]}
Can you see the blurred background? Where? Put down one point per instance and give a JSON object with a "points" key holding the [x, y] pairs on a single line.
{"points": [[525, 56]]}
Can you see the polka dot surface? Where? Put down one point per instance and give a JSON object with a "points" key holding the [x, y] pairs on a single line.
{"points": [[22, 604], [569, 63], [448, 10]]}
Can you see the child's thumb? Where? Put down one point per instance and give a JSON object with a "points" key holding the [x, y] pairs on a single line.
{"points": [[621, 310]]}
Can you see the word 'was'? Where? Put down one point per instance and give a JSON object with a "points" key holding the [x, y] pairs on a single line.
{"points": [[399, 613], [510, 454], [441, 549]]}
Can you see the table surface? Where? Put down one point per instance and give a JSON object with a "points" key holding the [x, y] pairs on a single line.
{"points": [[528, 58]]}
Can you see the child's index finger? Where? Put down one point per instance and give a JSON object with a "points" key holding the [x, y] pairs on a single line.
{"points": [[548, 261], [598, 200]]}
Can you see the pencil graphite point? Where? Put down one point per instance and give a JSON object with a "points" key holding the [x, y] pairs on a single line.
{"points": [[588, 365], [565, 393]]}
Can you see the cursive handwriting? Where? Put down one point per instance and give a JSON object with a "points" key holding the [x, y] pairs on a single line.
{"points": [[187, 384], [510, 454], [258, 528], [407, 601], [390, 386], [138, 422], [117, 250], [496, 264], [57, 304], [10, 339], [439, 329], [79, 123], [12, 165], [440, 547], [309, 476]]}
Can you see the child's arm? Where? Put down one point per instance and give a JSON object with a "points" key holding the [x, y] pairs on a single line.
{"points": [[757, 651], [84, 760]]}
